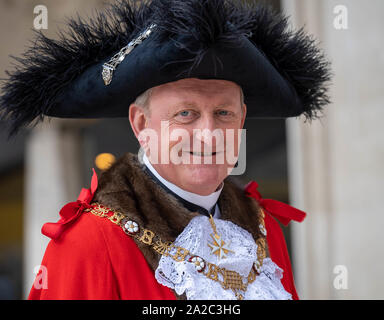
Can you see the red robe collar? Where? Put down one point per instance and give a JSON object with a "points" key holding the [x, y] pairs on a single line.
{"points": [[279, 210]]}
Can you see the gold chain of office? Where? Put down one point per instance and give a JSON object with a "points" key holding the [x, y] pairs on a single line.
{"points": [[229, 280]]}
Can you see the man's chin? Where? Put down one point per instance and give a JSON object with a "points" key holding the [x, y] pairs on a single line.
{"points": [[203, 178]]}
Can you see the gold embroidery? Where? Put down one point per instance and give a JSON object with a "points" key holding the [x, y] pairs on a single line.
{"points": [[147, 236], [261, 253], [162, 247], [227, 278], [180, 254], [251, 276], [116, 217], [232, 280], [102, 212], [213, 271]]}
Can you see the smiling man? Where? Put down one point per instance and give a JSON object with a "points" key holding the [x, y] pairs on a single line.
{"points": [[189, 108], [169, 222]]}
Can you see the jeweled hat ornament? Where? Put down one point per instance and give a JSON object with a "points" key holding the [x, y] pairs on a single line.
{"points": [[99, 67]]}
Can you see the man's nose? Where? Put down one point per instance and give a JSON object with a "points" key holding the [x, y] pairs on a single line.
{"points": [[207, 122], [208, 132]]}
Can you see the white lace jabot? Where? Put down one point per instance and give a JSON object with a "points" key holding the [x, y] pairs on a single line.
{"points": [[184, 278]]}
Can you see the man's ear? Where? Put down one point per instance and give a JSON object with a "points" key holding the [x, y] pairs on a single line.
{"points": [[137, 119], [244, 115]]}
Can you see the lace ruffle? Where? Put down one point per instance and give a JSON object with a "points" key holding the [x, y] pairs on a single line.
{"points": [[183, 277]]}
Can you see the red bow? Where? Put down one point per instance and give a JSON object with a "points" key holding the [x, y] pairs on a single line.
{"points": [[71, 211], [281, 211]]}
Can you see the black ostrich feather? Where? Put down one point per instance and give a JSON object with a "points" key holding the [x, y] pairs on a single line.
{"points": [[50, 66], [296, 55]]}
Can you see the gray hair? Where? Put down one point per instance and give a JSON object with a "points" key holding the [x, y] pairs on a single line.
{"points": [[143, 99]]}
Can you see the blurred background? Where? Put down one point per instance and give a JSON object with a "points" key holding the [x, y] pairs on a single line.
{"points": [[331, 168]]}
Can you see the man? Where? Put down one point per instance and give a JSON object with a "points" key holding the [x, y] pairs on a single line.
{"points": [[169, 223], [192, 105]]}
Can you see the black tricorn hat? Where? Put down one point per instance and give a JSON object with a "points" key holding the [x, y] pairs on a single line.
{"points": [[98, 68]]}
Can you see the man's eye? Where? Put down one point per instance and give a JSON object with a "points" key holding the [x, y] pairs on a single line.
{"points": [[223, 112], [184, 113]]}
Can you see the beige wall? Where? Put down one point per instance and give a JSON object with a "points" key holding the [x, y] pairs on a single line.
{"points": [[16, 22], [51, 175], [336, 165]]}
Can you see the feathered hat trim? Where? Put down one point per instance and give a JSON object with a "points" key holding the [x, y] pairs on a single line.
{"points": [[282, 72]]}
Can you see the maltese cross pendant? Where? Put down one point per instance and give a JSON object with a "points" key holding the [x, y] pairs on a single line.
{"points": [[218, 246]]}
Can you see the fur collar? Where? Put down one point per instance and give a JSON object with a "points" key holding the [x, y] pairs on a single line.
{"points": [[125, 187]]}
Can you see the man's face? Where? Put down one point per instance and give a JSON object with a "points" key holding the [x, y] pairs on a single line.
{"points": [[179, 112]]}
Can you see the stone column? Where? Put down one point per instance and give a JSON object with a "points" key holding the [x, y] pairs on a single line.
{"points": [[336, 165], [53, 173], [53, 178]]}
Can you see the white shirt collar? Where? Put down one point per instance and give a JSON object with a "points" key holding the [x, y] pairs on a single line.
{"points": [[206, 202]]}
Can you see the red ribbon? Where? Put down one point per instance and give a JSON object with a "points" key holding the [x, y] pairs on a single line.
{"points": [[71, 211], [281, 211]]}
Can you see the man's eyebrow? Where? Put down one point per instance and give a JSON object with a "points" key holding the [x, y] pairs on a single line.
{"points": [[180, 104], [187, 103]]}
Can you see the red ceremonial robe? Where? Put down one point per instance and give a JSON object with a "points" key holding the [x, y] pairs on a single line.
{"points": [[94, 259]]}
